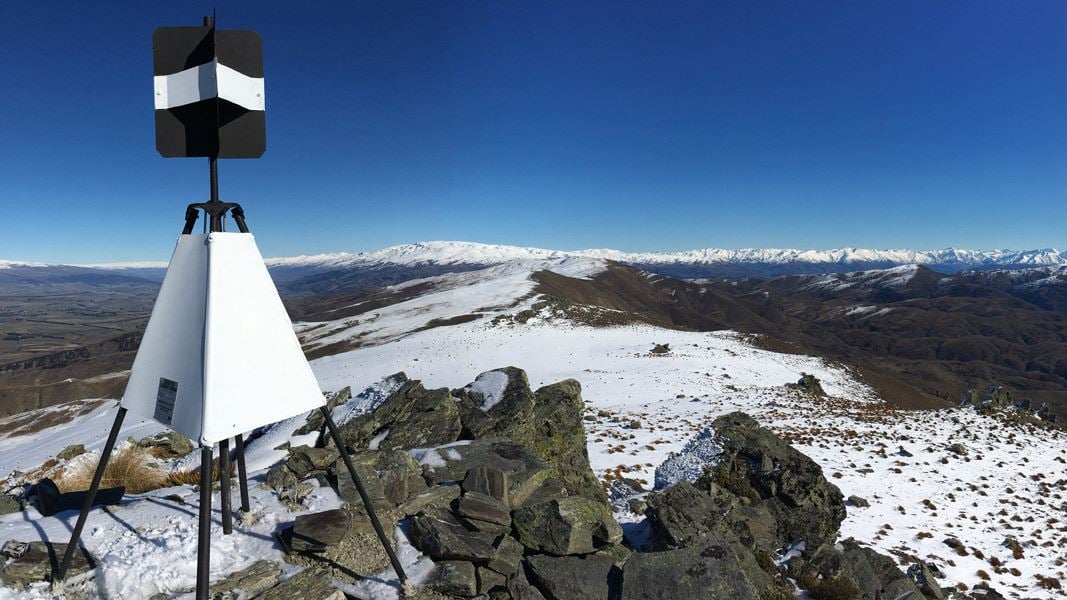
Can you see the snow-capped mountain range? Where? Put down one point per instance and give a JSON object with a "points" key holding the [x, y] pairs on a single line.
{"points": [[709, 262]]}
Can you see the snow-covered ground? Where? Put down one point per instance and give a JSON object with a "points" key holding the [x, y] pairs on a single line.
{"points": [[641, 407]]}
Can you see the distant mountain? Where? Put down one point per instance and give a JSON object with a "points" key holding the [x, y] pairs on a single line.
{"points": [[344, 270]]}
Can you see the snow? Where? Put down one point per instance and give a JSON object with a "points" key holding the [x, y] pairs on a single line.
{"points": [[438, 455], [490, 386], [1011, 482], [453, 253], [688, 464]]}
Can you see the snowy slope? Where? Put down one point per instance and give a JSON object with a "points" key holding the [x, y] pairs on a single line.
{"points": [[643, 407]]}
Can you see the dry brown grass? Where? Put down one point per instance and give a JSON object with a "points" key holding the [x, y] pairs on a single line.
{"points": [[135, 469], [130, 467]]}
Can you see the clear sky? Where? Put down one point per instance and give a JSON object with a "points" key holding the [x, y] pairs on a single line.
{"points": [[632, 125]]}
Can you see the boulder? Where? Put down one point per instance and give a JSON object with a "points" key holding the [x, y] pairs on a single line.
{"points": [[507, 557], [524, 471], [481, 507], [309, 584], [316, 532], [412, 417], [488, 481], [869, 571], [520, 588], [454, 578], [71, 451], [574, 578], [923, 577], [303, 460], [549, 422], [167, 444], [958, 449], [281, 480], [858, 502], [803, 504], [438, 496], [808, 384], [712, 569], [259, 577], [8, 504], [681, 515], [390, 476], [439, 534], [35, 561], [566, 526], [489, 580]]}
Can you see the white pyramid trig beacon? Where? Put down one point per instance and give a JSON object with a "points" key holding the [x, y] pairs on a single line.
{"points": [[219, 357]]}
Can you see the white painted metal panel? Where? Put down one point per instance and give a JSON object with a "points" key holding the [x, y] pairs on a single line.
{"points": [[255, 372], [219, 356], [173, 344]]}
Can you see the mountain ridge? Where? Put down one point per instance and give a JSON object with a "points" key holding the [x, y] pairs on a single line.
{"points": [[789, 260]]}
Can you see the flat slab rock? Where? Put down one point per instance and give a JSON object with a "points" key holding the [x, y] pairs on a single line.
{"points": [[259, 577], [316, 532], [309, 584], [36, 561]]}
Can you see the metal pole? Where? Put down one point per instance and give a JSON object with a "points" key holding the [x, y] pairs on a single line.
{"points": [[224, 485], [203, 553], [75, 537], [363, 496], [242, 473], [216, 219]]}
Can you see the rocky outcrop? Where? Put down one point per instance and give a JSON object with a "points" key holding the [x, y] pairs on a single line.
{"points": [[496, 483], [761, 467], [412, 417], [549, 422]]}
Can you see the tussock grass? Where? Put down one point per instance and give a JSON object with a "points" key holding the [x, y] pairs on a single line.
{"points": [[130, 467]]}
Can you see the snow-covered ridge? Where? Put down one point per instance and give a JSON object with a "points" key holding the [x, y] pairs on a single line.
{"points": [[445, 253], [472, 253]]}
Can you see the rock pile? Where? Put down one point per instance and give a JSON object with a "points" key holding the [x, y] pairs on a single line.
{"points": [[494, 484]]}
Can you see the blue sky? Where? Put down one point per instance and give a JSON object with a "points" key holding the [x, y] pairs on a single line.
{"points": [[638, 126]]}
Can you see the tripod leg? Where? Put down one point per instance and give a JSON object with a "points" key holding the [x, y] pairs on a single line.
{"points": [[224, 486], [363, 496], [75, 537], [242, 473], [203, 552]]}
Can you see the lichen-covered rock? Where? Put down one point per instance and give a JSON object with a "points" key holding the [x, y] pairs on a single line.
{"points": [[454, 578], [8, 504], [303, 460], [507, 557], [574, 578], [805, 506], [869, 571], [315, 532], [525, 472], [566, 526], [412, 417], [309, 584], [258, 577], [712, 569], [168, 444], [439, 534], [549, 422], [35, 563], [681, 515], [438, 496], [71, 451], [483, 508]]}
